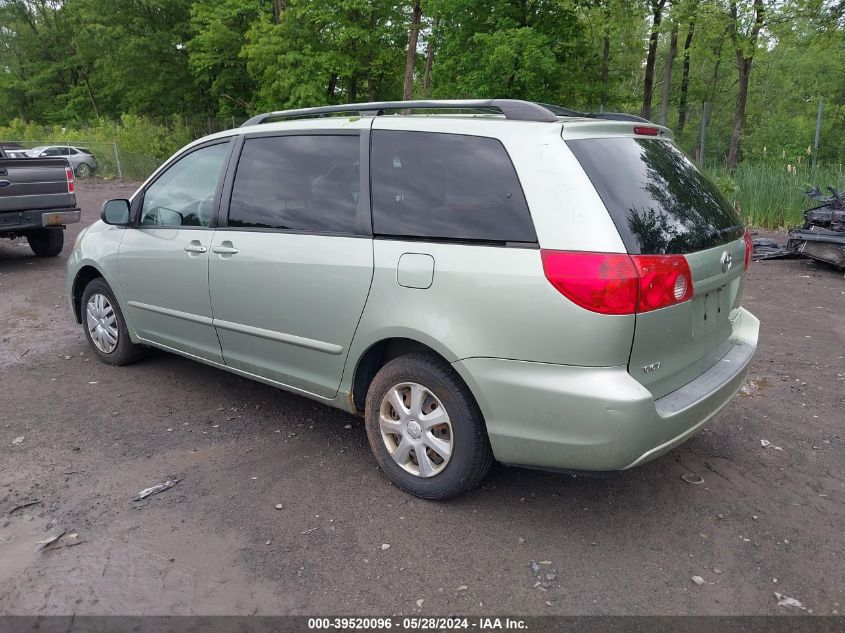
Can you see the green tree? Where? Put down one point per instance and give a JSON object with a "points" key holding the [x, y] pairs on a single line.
{"points": [[509, 48], [215, 51], [327, 52]]}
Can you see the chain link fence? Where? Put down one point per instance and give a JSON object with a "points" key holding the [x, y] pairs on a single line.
{"points": [[110, 161], [115, 160]]}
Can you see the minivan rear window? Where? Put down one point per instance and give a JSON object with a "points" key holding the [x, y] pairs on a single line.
{"points": [[431, 185], [659, 201]]}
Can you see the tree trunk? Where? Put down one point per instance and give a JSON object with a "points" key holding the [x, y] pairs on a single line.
{"points": [[352, 89], [91, 95], [714, 81], [648, 82], [279, 6], [605, 71], [413, 34], [429, 60], [745, 45], [667, 75], [682, 102], [739, 111], [331, 87]]}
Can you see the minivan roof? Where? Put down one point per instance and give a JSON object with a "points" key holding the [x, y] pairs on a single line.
{"points": [[483, 112], [511, 109]]}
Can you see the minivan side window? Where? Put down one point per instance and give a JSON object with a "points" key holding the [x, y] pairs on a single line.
{"points": [[298, 183], [184, 194], [446, 186]]}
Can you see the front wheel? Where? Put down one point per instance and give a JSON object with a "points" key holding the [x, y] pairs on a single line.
{"points": [[46, 242], [425, 428], [104, 325]]}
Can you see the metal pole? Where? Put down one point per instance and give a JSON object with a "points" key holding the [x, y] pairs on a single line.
{"points": [[818, 130], [703, 134], [117, 159]]}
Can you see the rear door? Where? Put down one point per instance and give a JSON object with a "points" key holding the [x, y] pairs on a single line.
{"points": [[292, 262], [662, 205]]}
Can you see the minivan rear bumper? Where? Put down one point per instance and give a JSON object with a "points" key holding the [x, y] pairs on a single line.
{"points": [[599, 418]]}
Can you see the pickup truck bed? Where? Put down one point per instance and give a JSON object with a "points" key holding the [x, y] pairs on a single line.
{"points": [[37, 201]]}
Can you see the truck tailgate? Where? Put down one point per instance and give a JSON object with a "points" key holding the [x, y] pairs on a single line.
{"points": [[34, 183]]}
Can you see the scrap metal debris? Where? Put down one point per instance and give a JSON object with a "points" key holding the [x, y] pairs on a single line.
{"points": [[767, 248], [25, 504], [50, 539], [63, 540], [823, 234], [692, 478], [154, 490], [786, 601], [822, 237]]}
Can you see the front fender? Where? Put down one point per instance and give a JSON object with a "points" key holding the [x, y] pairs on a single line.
{"points": [[95, 254]]}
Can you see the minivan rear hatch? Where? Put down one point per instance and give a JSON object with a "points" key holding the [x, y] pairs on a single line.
{"points": [[662, 205]]}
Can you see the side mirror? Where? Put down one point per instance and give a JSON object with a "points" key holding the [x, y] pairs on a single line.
{"points": [[115, 212]]}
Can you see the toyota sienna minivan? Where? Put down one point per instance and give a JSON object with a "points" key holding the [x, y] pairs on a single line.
{"points": [[480, 280]]}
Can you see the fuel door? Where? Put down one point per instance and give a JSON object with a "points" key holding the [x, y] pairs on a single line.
{"points": [[415, 270]]}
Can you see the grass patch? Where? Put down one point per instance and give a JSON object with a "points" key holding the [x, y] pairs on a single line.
{"points": [[772, 196]]}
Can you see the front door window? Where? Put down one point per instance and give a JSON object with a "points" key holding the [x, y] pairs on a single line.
{"points": [[184, 194]]}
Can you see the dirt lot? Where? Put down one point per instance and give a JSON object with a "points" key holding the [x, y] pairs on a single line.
{"points": [[763, 520]]}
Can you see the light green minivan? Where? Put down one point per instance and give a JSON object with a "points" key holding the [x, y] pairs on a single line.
{"points": [[480, 280]]}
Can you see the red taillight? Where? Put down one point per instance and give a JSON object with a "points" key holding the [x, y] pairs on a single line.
{"points": [[69, 174], [615, 283], [749, 248], [646, 131], [601, 282], [664, 281]]}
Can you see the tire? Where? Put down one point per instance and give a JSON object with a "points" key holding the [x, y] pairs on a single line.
{"points": [[107, 313], [84, 170], [438, 387], [46, 242]]}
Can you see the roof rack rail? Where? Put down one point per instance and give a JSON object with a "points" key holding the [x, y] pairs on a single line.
{"points": [[512, 109]]}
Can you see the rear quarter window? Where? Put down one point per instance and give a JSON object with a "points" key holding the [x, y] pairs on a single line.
{"points": [[446, 186], [659, 202]]}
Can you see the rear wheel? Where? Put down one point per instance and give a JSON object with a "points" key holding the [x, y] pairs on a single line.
{"points": [[425, 428], [83, 170], [46, 242], [105, 327]]}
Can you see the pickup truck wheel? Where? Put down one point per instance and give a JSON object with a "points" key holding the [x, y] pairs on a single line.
{"points": [[83, 170], [425, 428], [46, 242], [105, 327]]}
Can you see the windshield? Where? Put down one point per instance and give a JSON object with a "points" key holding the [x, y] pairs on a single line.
{"points": [[657, 198]]}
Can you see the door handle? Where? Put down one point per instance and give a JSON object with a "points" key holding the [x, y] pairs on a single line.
{"points": [[195, 247], [225, 248]]}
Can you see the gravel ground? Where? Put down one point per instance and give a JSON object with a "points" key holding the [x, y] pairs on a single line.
{"points": [[764, 520]]}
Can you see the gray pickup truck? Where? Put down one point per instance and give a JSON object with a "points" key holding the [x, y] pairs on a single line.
{"points": [[37, 201]]}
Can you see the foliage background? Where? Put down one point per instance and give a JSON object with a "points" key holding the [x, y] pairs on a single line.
{"points": [[149, 75]]}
